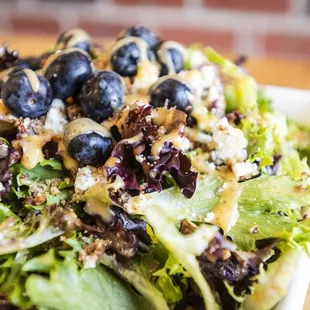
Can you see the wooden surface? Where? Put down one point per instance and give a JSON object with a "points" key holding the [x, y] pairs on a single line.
{"points": [[282, 72]]}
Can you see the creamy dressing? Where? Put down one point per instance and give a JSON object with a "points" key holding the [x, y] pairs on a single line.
{"points": [[69, 162], [172, 137], [32, 79], [96, 207], [226, 211], [132, 98], [163, 117], [4, 75], [32, 149], [195, 135], [132, 140], [77, 35], [82, 126], [112, 162], [147, 75], [205, 119], [3, 109], [165, 57], [98, 199]]}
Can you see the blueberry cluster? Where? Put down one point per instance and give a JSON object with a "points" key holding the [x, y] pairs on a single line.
{"points": [[30, 85]]}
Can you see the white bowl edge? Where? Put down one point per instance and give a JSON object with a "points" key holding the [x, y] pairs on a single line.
{"points": [[295, 103]]}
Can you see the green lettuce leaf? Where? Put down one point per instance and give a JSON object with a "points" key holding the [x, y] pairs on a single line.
{"points": [[16, 235], [47, 181], [176, 205], [261, 145], [274, 194], [166, 283], [264, 103], [185, 248], [69, 288], [293, 165], [6, 212], [132, 273], [49, 170], [240, 89], [12, 279], [53, 163], [261, 201]]}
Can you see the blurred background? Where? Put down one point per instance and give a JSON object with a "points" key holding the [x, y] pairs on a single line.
{"points": [[270, 29]]}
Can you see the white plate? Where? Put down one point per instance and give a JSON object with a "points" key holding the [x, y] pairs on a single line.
{"points": [[296, 104]]}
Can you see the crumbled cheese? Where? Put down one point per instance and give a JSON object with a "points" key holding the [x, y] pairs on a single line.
{"points": [[208, 75], [229, 143], [209, 217], [197, 59], [213, 94], [87, 177], [199, 80], [244, 169], [56, 118], [4, 151]]}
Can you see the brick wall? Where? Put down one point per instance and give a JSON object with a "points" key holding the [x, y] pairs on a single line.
{"points": [[257, 27]]}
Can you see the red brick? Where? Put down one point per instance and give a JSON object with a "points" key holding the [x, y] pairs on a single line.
{"points": [[133, 2], [169, 2], [35, 24], [150, 2], [97, 28], [284, 44], [274, 6], [222, 40]]}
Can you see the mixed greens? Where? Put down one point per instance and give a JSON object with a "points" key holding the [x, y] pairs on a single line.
{"points": [[145, 175]]}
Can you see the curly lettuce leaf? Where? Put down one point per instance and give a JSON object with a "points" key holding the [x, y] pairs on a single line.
{"points": [[179, 207], [132, 273], [167, 284], [260, 207], [293, 165], [48, 169], [12, 279], [264, 103], [16, 235], [6, 212], [274, 194], [185, 248], [43, 184], [261, 145], [240, 89], [69, 288]]}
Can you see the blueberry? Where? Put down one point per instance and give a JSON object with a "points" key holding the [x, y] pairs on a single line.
{"points": [[27, 94], [88, 142], [127, 54], [66, 71], [171, 56], [6, 73], [173, 92], [33, 63], [143, 33], [101, 95], [74, 38]]}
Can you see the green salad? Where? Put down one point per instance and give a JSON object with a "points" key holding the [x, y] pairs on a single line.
{"points": [[145, 175]]}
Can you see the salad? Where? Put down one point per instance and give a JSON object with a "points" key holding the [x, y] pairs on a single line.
{"points": [[145, 175]]}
